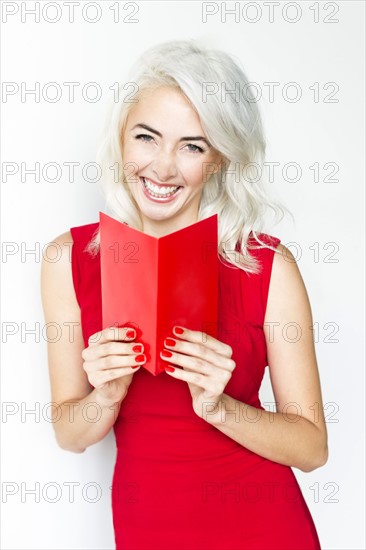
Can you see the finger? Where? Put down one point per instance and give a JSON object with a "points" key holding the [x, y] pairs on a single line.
{"points": [[112, 333], [114, 361], [186, 375], [199, 351], [189, 362], [202, 337], [112, 348], [209, 384], [103, 376], [199, 367]]}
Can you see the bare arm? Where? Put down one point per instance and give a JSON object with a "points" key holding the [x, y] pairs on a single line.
{"points": [[296, 434], [73, 369]]}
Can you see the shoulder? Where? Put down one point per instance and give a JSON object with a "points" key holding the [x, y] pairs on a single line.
{"points": [[57, 265], [263, 249], [57, 255], [58, 249], [83, 233], [266, 238], [56, 272], [287, 291], [279, 277], [79, 233], [284, 265]]}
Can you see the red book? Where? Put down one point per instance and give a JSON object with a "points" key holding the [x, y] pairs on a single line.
{"points": [[152, 284]]}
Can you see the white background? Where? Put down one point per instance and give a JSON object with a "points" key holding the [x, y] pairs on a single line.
{"points": [[34, 213]]}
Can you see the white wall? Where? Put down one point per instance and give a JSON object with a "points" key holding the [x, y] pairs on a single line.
{"points": [[328, 235]]}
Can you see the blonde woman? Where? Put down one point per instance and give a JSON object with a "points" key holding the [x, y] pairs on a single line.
{"points": [[190, 476]]}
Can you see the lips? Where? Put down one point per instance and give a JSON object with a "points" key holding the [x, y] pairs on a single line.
{"points": [[151, 190], [159, 185]]}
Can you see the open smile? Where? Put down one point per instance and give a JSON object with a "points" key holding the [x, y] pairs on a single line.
{"points": [[160, 193]]}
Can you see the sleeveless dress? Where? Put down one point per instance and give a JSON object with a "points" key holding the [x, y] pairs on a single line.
{"points": [[180, 483]]}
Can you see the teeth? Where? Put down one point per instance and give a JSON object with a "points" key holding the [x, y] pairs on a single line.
{"points": [[160, 191]]}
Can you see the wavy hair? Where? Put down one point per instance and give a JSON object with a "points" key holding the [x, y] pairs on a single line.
{"points": [[214, 84]]}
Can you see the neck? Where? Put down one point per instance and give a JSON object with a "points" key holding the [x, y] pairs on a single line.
{"points": [[160, 228]]}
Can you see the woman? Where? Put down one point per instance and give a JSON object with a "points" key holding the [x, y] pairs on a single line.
{"points": [[201, 464]]}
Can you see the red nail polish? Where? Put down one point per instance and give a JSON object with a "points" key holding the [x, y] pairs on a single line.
{"points": [[139, 358], [166, 353], [137, 348], [130, 333], [178, 330], [135, 366], [169, 342], [168, 368]]}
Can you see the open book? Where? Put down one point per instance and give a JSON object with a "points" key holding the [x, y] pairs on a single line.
{"points": [[152, 284]]}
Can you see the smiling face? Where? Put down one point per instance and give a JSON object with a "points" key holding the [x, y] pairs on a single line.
{"points": [[167, 160]]}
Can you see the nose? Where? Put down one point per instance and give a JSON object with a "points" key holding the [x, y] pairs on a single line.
{"points": [[164, 166]]}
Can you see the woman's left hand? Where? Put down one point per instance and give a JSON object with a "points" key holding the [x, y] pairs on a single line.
{"points": [[207, 366]]}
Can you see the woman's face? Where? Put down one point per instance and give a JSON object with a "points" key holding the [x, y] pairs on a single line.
{"points": [[167, 160]]}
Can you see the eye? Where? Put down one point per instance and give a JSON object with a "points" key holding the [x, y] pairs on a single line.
{"points": [[143, 136], [196, 148]]}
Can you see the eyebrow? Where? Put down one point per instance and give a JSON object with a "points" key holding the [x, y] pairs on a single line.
{"points": [[188, 138]]}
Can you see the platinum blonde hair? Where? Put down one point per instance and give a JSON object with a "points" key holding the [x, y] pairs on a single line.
{"points": [[233, 125]]}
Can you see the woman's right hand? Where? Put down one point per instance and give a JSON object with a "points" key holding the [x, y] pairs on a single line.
{"points": [[110, 362]]}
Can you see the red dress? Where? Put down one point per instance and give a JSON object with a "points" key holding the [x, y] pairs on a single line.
{"points": [[180, 483]]}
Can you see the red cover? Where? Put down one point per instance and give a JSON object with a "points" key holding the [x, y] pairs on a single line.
{"points": [[152, 284]]}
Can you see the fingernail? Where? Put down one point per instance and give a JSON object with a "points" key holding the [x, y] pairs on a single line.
{"points": [[130, 333], [166, 353], [168, 368], [135, 366], [137, 348], [139, 358], [169, 342], [178, 330]]}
